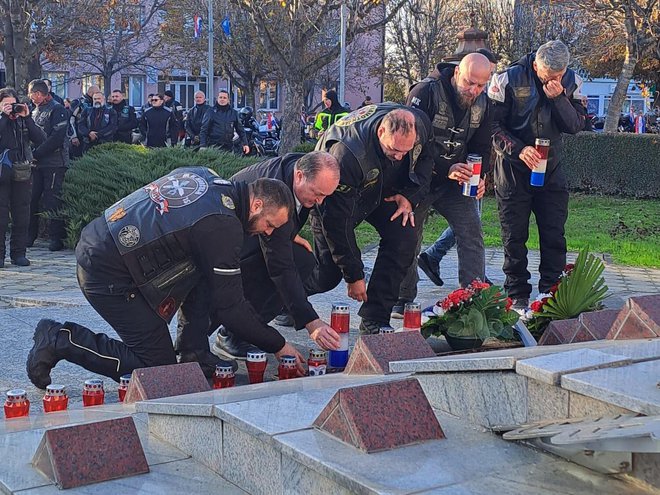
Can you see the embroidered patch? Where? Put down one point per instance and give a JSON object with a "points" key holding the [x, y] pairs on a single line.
{"points": [[129, 236], [118, 214], [176, 190], [359, 114], [372, 174], [416, 151], [167, 307], [343, 188], [228, 202], [523, 92]]}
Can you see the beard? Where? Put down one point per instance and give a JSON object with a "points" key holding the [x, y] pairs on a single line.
{"points": [[465, 100], [97, 105], [252, 224]]}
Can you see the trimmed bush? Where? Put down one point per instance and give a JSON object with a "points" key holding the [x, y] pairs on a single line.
{"points": [[613, 164], [304, 148], [109, 172]]}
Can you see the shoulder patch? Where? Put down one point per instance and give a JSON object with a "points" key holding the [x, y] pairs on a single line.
{"points": [[417, 150], [118, 214], [359, 114], [343, 188], [228, 202], [497, 87]]}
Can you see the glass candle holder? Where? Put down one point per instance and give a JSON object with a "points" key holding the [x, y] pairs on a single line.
{"points": [[17, 404], [538, 174], [93, 393], [412, 317], [55, 399], [224, 377], [124, 382], [256, 366], [317, 362], [340, 323], [287, 368]]}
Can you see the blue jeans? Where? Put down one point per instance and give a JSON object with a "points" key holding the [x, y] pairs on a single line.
{"points": [[464, 220]]}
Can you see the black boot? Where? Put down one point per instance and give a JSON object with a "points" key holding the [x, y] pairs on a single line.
{"points": [[43, 357]]}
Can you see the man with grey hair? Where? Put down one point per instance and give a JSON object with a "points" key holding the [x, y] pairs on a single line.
{"points": [[195, 119], [536, 97]]}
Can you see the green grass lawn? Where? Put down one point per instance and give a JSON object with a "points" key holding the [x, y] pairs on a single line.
{"points": [[626, 229]]}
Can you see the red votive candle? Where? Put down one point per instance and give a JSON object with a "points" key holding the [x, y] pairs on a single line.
{"points": [[93, 393], [412, 317], [317, 362], [55, 399], [17, 404], [256, 366], [287, 368], [124, 382], [223, 377]]}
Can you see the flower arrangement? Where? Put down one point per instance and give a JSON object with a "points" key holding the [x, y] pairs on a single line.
{"points": [[580, 288], [479, 311]]}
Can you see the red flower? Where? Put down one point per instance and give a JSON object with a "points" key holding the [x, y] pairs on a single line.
{"points": [[569, 267], [554, 288], [536, 306], [478, 285], [509, 303]]}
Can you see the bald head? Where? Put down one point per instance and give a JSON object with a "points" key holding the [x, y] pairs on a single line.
{"points": [[470, 78], [397, 133]]}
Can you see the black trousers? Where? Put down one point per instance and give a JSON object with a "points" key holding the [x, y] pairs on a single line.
{"points": [[14, 202], [396, 252], [145, 338], [47, 189], [516, 201], [194, 322]]}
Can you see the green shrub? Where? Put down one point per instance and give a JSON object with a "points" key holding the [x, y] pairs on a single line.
{"points": [[304, 148], [111, 171], [613, 164]]}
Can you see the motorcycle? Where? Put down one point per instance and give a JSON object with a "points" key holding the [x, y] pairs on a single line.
{"points": [[268, 136], [251, 129]]}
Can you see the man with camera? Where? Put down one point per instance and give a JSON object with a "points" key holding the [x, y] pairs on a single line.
{"points": [[17, 130], [52, 160]]}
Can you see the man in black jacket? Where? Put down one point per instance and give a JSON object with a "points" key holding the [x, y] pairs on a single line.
{"points": [[195, 119], [536, 97], [139, 262], [274, 266], [77, 107], [385, 173], [219, 129], [52, 160], [126, 119], [97, 125], [453, 97], [17, 131], [177, 112], [158, 124]]}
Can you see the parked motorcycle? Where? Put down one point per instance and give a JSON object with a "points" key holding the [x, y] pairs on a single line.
{"points": [[251, 129], [268, 136]]}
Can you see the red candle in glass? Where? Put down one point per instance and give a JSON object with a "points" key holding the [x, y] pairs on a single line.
{"points": [[256, 366], [287, 368], [55, 399], [93, 393], [340, 318], [124, 382], [317, 362], [223, 377], [412, 317], [17, 404]]}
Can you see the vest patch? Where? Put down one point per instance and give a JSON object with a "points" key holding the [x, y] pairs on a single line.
{"points": [[343, 188], [228, 202], [417, 150], [129, 236], [118, 214], [523, 92], [176, 190], [359, 114]]}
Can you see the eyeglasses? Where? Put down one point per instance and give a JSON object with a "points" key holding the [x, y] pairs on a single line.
{"points": [[155, 99]]}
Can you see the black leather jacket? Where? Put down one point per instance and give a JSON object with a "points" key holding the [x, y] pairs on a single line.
{"points": [[53, 119], [126, 122], [218, 129], [522, 112], [16, 135]]}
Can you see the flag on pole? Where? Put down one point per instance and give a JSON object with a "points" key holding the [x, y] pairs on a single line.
{"points": [[226, 26], [197, 27]]}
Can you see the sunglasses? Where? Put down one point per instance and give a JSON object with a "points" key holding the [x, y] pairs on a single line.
{"points": [[155, 99]]}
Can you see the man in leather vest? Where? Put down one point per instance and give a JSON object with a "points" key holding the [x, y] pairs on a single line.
{"points": [[536, 97], [195, 119], [98, 124], [126, 118], [385, 170], [139, 261], [273, 267], [453, 97], [52, 160]]}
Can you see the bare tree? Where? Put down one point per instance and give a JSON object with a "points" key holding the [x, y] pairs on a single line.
{"points": [[297, 35]]}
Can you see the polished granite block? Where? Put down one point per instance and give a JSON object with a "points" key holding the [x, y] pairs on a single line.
{"points": [[628, 326], [546, 402], [181, 477], [633, 387], [202, 404], [560, 332], [68, 417], [249, 463], [467, 453], [647, 308], [373, 353], [297, 478], [490, 399], [471, 362], [381, 416], [83, 454], [166, 381], [598, 323], [580, 406], [549, 369], [196, 436]]}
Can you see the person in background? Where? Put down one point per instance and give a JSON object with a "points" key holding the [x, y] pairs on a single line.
{"points": [[97, 125], [55, 97], [126, 119], [367, 101], [331, 113], [195, 119], [177, 112], [218, 130], [157, 124]]}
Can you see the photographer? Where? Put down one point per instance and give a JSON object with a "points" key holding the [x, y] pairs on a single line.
{"points": [[17, 129]]}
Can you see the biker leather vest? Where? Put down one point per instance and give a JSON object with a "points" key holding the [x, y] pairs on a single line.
{"points": [[358, 132], [150, 229]]}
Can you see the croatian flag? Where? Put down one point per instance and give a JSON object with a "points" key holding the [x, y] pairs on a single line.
{"points": [[197, 26], [270, 122]]}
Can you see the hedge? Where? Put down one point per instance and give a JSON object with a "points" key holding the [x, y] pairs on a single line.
{"points": [[109, 172], [613, 164]]}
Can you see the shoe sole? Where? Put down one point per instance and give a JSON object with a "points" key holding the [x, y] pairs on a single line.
{"points": [[422, 264], [396, 315], [221, 353]]}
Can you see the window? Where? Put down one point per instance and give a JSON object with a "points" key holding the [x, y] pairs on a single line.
{"points": [[268, 95], [133, 89], [91, 80], [240, 97], [59, 82], [593, 104]]}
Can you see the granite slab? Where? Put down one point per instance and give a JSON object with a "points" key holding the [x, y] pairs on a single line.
{"points": [[380, 416], [89, 453], [549, 369], [454, 363], [202, 404], [60, 418], [633, 387], [166, 381], [373, 353]]}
